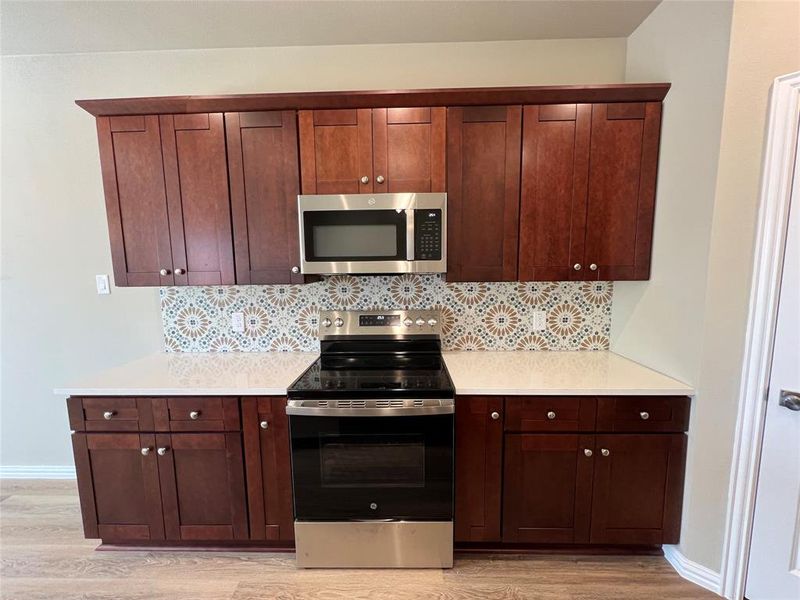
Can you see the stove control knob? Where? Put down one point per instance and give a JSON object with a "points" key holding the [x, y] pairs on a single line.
{"points": [[408, 322], [420, 322], [338, 322], [326, 322], [432, 322]]}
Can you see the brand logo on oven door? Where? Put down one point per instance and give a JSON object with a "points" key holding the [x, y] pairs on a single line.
{"points": [[371, 201]]}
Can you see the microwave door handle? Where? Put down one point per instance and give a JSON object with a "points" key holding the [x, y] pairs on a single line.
{"points": [[409, 234]]}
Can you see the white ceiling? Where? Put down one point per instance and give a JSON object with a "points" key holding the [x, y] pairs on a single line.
{"points": [[44, 27]]}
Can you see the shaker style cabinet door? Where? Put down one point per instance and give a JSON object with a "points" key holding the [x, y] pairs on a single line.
{"points": [[336, 151], [621, 194], [555, 169], [264, 183], [136, 200], [478, 468], [195, 168], [483, 183], [202, 486], [548, 488], [269, 469], [118, 486], [409, 149]]}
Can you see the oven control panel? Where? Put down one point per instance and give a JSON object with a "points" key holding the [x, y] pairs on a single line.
{"points": [[336, 323]]}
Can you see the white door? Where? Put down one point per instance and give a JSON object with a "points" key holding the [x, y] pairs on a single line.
{"points": [[774, 569]]}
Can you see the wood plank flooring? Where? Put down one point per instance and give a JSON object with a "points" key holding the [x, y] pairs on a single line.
{"points": [[43, 556]]}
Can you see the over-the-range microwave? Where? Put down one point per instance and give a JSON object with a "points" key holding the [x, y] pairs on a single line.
{"points": [[373, 233]]}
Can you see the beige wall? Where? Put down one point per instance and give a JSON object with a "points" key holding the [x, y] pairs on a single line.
{"points": [[690, 320], [54, 238]]}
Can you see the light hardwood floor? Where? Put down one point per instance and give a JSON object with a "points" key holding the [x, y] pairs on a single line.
{"points": [[44, 556]]}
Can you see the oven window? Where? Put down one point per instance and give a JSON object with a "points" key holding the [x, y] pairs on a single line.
{"points": [[372, 460], [363, 241]]}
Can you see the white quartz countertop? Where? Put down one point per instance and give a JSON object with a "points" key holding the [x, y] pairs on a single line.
{"points": [[557, 373], [270, 373]]}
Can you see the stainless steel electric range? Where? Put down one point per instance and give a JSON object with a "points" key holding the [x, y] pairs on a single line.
{"points": [[371, 425]]}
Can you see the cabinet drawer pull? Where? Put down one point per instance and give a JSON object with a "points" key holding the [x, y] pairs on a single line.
{"points": [[380, 179], [587, 452], [644, 415], [180, 271], [108, 414], [162, 451], [194, 415], [145, 451], [551, 415], [365, 180], [495, 415], [164, 272], [604, 451], [593, 267], [263, 424], [577, 266], [295, 270]]}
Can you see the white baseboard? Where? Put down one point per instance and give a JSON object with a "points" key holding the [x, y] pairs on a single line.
{"points": [[692, 571], [37, 472]]}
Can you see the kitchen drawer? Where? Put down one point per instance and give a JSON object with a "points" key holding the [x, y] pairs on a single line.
{"points": [[196, 413], [110, 414], [550, 413], [643, 414]]}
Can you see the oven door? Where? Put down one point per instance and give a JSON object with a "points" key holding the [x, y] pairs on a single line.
{"points": [[349, 468]]}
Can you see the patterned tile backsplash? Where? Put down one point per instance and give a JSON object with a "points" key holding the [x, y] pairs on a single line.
{"points": [[475, 316]]}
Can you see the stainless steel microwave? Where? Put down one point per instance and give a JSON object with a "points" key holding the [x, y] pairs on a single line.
{"points": [[373, 233]]}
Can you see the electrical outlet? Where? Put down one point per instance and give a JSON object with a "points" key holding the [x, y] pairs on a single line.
{"points": [[539, 320], [237, 322], [102, 284]]}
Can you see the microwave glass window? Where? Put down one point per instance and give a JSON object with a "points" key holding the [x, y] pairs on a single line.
{"points": [[372, 461], [338, 241]]}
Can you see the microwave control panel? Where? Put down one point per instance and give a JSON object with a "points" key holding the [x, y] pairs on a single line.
{"points": [[428, 234]]}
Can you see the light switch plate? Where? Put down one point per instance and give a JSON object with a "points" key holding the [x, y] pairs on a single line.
{"points": [[102, 284], [237, 322], [539, 320]]}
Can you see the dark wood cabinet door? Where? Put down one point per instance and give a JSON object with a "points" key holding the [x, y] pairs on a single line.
{"points": [[548, 488], [478, 468], [202, 486], [118, 486], [336, 151], [269, 469], [409, 149], [195, 168], [638, 488], [483, 179], [555, 169], [136, 200], [265, 181], [621, 197]]}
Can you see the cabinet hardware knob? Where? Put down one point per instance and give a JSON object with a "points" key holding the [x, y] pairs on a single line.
{"points": [[295, 270], [495, 415], [365, 180], [161, 451], [180, 271], [108, 414], [587, 452], [194, 415], [593, 267], [604, 451], [551, 415], [164, 272], [645, 415], [380, 179], [263, 424], [145, 451], [577, 266]]}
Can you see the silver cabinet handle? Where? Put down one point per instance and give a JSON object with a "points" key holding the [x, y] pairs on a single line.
{"points": [[194, 415], [108, 414], [145, 451], [263, 425], [164, 272], [604, 451], [180, 271], [644, 415], [587, 452], [551, 415], [577, 266], [790, 400], [161, 451], [380, 179], [365, 180], [295, 270], [495, 415], [593, 267]]}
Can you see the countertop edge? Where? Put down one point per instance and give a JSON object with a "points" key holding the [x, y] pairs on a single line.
{"points": [[169, 392], [575, 392]]}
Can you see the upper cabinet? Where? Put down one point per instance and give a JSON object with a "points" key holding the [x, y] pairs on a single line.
{"points": [[483, 179], [372, 150]]}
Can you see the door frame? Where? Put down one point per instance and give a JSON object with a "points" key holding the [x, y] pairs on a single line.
{"points": [[775, 195]]}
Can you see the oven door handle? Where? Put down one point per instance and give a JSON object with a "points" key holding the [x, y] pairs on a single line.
{"points": [[397, 411]]}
